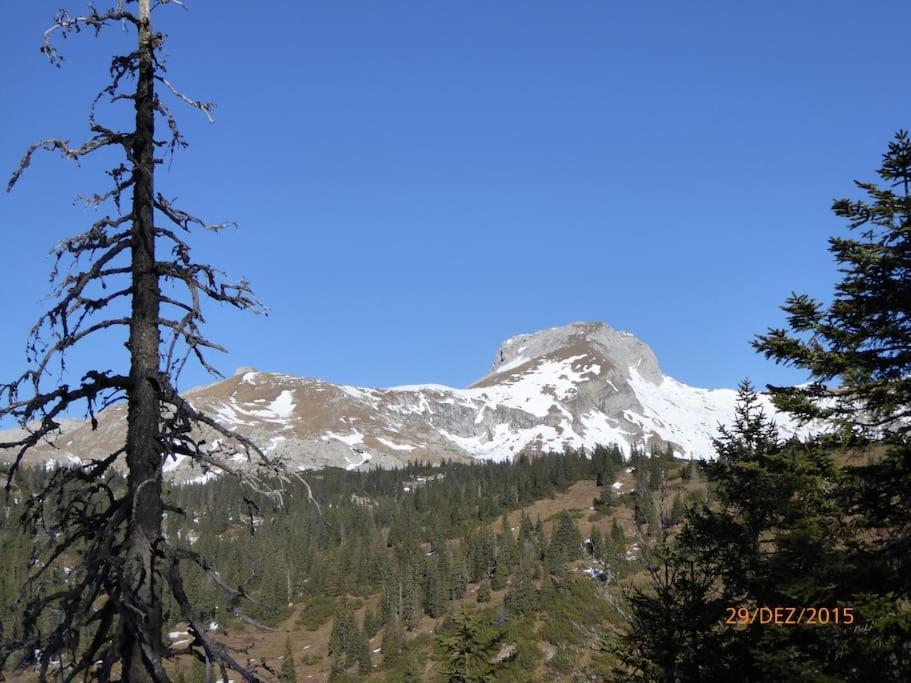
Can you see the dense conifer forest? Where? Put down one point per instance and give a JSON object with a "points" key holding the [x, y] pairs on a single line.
{"points": [[381, 550]]}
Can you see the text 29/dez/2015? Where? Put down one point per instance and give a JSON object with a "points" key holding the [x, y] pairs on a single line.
{"points": [[789, 616]]}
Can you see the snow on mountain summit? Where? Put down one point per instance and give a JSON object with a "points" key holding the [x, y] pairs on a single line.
{"points": [[573, 386], [622, 348]]}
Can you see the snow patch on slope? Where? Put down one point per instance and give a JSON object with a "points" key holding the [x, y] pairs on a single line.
{"points": [[600, 429], [349, 439], [504, 442], [680, 413], [360, 393], [537, 390], [395, 446], [283, 406], [365, 457], [514, 363]]}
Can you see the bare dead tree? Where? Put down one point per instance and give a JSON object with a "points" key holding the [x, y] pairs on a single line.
{"points": [[108, 615]]}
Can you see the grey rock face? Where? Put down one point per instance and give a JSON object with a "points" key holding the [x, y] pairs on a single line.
{"points": [[622, 348]]}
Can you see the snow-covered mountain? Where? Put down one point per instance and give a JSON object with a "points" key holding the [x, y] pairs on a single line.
{"points": [[574, 386]]}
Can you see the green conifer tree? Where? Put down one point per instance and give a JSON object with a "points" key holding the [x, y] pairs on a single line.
{"points": [[466, 646], [411, 601], [568, 535], [436, 595], [372, 623], [687, 471], [857, 353], [499, 577], [656, 472], [522, 596], [615, 551], [677, 509], [288, 673], [364, 661], [393, 643], [344, 631], [597, 543]]}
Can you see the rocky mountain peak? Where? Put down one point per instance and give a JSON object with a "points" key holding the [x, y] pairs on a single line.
{"points": [[597, 340]]}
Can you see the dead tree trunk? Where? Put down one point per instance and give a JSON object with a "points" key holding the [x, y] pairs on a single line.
{"points": [[141, 577], [108, 613]]}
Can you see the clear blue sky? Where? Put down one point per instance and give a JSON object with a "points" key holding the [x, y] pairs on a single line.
{"points": [[416, 181]]}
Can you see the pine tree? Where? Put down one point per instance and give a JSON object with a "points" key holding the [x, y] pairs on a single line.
{"points": [[364, 662], [687, 471], [522, 595], [372, 623], [436, 591], [466, 646], [411, 601], [540, 542], [771, 537], [393, 643], [863, 338], [677, 510], [615, 551], [597, 543], [526, 528], [674, 630], [288, 673], [568, 536], [656, 472], [499, 577], [857, 353], [458, 574], [678, 621], [484, 589], [343, 637], [390, 602], [507, 552]]}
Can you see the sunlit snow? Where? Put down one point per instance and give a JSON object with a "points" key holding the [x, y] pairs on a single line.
{"points": [[349, 439], [395, 446]]}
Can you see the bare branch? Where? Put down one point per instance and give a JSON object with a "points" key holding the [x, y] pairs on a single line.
{"points": [[205, 107], [214, 651], [66, 24], [183, 220], [62, 146], [50, 406]]}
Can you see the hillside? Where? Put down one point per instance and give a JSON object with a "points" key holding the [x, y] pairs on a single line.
{"points": [[440, 534]]}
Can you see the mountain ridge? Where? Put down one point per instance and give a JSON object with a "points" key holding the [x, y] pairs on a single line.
{"points": [[573, 386]]}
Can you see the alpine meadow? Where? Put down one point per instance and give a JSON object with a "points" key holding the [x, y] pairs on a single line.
{"points": [[426, 181]]}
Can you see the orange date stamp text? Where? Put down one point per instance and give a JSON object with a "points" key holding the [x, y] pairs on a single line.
{"points": [[789, 616]]}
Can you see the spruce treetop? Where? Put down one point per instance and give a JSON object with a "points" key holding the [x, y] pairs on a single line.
{"points": [[857, 349]]}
